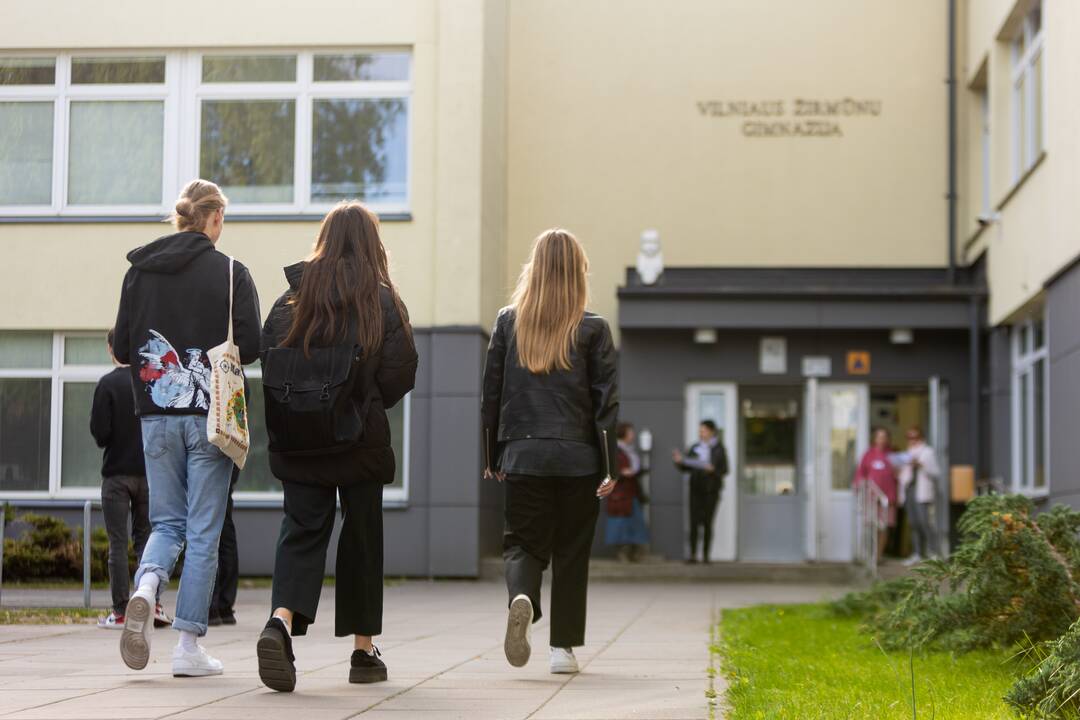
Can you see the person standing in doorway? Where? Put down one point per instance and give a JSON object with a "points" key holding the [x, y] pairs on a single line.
{"points": [[174, 307], [707, 463], [338, 352], [625, 527], [918, 479], [549, 410], [124, 493], [876, 467]]}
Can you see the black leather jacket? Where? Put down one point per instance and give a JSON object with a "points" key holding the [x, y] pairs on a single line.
{"points": [[579, 404]]}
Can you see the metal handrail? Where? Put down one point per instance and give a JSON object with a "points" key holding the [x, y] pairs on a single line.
{"points": [[869, 504], [88, 507]]}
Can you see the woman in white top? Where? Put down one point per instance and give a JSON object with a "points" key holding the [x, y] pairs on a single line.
{"points": [[922, 471]]}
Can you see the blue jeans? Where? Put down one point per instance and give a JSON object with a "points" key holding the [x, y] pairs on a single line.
{"points": [[189, 487]]}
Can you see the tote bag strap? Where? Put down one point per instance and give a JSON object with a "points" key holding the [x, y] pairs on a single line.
{"points": [[230, 335]]}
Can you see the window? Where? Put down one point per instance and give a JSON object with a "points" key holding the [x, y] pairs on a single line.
{"points": [[1030, 407], [47, 383], [1027, 92], [282, 132]]}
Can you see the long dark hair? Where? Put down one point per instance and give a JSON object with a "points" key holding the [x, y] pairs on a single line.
{"points": [[340, 286]]}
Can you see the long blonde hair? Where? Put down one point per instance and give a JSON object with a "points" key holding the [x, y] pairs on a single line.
{"points": [[550, 300]]}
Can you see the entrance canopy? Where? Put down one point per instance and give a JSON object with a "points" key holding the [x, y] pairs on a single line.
{"points": [[797, 298]]}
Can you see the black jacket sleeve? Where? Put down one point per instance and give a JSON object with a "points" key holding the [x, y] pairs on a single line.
{"points": [[491, 400], [101, 416], [720, 461], [604, 391], [122, 329], [396, 374], [277, 324], [245, 315]]}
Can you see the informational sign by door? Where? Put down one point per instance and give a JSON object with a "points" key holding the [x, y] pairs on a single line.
{"points": [[858, 362], [817, 366], [773, 358]]}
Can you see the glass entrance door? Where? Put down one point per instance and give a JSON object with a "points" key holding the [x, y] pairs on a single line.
{"points": [[771, 498], [716, 402], [841, 436]]}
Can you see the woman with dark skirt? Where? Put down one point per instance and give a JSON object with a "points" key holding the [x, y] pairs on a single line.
{"points": [[342, 310], [550, 402]]}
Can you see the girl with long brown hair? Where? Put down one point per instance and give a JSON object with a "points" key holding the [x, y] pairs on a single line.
{"points": [[343, 311], [550, 404]]}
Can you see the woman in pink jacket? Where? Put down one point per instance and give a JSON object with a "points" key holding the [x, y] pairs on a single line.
{"points": [[876, 468]]}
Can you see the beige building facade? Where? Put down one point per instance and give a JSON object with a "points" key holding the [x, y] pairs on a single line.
{"points": [[793, 158]]}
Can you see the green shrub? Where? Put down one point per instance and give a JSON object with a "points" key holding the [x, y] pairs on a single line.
{"points": [[1013, 578], [1052, 688], [51, 550]]}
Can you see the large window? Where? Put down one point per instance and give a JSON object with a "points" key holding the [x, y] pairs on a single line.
{"points": [[1027, 92], [282, 132], [47, 383], [1030, 407]]}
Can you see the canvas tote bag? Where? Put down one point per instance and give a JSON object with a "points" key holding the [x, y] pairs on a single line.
{"points": [[226, 423]]}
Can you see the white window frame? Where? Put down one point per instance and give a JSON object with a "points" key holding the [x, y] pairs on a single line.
{"points": [[1025, 357], [183, 93], [986, 148], [60, 373], [62, 93], [1025, 153]]}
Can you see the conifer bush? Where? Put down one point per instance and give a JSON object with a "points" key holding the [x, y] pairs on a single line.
{"points": [[1052, 688]]}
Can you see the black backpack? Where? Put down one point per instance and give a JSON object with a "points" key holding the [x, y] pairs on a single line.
{"points": [[311, 404]]}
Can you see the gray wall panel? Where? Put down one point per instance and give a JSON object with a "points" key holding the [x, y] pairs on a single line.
{"points": [[999, 412], [458, 364], [454, 541], [455, 451], [1063, 335]]}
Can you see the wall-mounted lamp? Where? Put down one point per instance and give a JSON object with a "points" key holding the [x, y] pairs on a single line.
{"points": [[644, 440], [705, 336], [901, 336]]}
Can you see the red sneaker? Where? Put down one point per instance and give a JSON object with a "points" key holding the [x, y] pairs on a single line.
{"points": [[161, 618]]}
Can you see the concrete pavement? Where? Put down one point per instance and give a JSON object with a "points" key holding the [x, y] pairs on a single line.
{"points": [[647, 656]]}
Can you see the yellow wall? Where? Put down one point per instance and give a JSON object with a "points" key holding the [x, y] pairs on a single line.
{"points": [[1035, 236], [606, 137]]}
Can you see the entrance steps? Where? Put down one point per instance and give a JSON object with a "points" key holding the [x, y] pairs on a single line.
{"points": [[657, 569]]}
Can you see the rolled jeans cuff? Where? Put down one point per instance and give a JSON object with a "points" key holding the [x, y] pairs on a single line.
{"points": [[189, 626], [163, 578]]}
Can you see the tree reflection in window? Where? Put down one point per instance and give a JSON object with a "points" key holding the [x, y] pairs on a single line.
{"points": [[358, 149], [247, 148]]}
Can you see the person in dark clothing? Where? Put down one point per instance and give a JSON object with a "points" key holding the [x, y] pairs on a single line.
{"points": [[707, 463], [124, 493], [223, 600], [174, 307], [340, 298], [549, 409]]}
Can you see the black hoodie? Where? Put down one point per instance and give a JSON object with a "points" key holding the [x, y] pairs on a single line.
{"points": [[173, 308]]}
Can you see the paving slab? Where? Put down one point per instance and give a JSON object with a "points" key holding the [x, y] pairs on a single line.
{"points": [[646, 656]]}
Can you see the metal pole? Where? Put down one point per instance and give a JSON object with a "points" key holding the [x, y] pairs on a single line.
{"points": [[86, 554], [3, 517]]}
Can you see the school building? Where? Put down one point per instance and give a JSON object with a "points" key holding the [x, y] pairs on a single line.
{"points": [[804, 219]]}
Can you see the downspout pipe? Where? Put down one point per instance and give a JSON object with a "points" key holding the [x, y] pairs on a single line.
{"points": [[950, 84]]}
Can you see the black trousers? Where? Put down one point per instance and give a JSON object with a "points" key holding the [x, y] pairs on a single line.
{"points": [[301, 556], [704, 497], [228, 569], [551, 519], [124, 497]]}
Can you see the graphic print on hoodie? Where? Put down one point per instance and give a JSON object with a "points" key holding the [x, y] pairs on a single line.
{"points": [[173, 307], [170, 383]]}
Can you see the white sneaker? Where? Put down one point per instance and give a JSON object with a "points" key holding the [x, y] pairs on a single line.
{"points": [[563, 661], [138, 623], [518, 631], [196, 663], [912, 560]]}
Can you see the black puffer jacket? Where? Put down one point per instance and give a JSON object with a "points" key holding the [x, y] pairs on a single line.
{"points": [[387, 376], [174, 306], [580, 404]]}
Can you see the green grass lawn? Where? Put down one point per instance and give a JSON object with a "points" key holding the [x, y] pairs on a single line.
{"points": [[804, 663]]}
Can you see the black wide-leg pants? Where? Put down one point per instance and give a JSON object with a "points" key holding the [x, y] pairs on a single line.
{"points": [[301, 556], [704, 498], [551, 519]]}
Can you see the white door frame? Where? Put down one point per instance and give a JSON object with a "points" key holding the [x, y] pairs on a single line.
{"points": [[835, 508], [725, 524]]}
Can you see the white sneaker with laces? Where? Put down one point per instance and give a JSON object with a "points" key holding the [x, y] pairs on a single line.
{"points": [[563, 661], [518, 631], [912, 560], [138, 623], [194, 663]]}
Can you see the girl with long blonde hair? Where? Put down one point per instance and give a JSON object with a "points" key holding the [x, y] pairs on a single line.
{"points": [[550, 405]]}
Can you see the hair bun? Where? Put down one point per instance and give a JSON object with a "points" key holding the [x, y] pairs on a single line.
{"points": [[184, 207]]}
